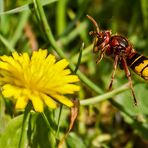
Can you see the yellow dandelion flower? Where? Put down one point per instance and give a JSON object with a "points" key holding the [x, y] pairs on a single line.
{"points": [[38, 78]]}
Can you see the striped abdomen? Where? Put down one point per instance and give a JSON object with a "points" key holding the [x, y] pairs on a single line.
{"points": [[139, 64]]}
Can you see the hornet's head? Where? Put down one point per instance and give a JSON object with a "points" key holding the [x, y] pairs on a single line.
{"points": [[101, 37]]}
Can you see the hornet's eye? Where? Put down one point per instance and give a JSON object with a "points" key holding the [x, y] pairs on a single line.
{"points": [[104, 37]]}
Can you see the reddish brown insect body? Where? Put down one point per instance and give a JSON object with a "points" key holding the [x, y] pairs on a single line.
{"points": [[116, 47]]}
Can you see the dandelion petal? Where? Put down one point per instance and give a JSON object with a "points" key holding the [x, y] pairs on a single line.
{"points": [[64, 100], [49, 101], [21, 102], [37, 103]]}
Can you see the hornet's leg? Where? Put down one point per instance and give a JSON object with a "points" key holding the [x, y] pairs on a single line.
{"points": [[102, 52], [123, 61], [114, 70]]}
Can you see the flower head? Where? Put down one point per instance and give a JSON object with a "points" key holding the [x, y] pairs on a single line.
{"points": [[38, 78]]}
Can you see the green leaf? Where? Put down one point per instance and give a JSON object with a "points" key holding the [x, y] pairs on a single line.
{"points": [[10, 137], [73, 141], [136, 116], [42, 136], [126, 101]]}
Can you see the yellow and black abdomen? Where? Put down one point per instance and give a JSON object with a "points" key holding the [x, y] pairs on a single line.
{"points": [[139, 64]]}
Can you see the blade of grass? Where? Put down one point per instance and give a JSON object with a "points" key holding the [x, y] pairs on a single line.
{"points": [[66, 39], [6, 43], [79, 58], [84, 32], [61, 16], [86, 51], [19, 29], [144, 8], [1, 6], [2, 18], [26, 7]]}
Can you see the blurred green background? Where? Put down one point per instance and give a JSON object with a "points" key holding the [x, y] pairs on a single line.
{"points": [[115, 123]]}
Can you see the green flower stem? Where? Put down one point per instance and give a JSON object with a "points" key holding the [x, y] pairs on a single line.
{"points": [[47, 29], [48, 124], [58, 50], [25, 124], [59, 118], [105, 96], [89, 83]]}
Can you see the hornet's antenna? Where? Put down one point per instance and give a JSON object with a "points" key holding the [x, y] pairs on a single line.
{"points": [[94, 22]]}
